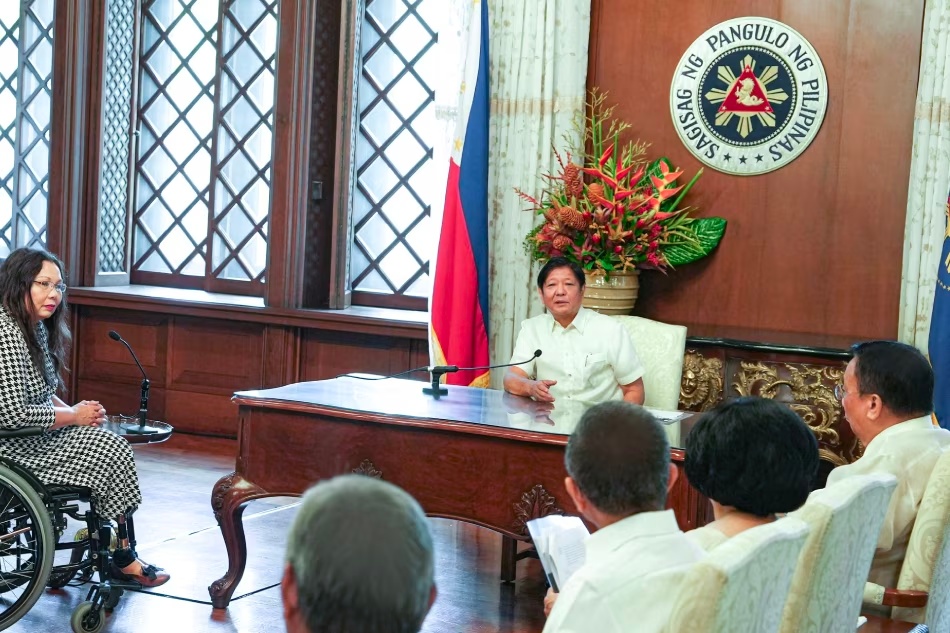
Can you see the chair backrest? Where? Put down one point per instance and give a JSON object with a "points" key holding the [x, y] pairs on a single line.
{"points": [[742, 584], [845, 522], [926, 565], [661, 347]]}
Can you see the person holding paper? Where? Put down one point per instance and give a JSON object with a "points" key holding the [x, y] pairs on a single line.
{"points": [[754, 458], [619, 473], [587, 356]]}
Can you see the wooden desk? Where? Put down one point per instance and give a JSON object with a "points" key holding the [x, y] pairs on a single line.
{"points": [[475, 455]]}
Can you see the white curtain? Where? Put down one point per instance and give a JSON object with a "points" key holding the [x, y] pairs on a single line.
{"points": [[929, 178], [538, 81]]}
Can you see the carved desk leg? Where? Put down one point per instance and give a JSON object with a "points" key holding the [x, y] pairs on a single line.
{"points": [[228, 499]]}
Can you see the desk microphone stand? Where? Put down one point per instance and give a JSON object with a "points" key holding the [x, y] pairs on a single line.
{"points": [[141, 428], [436, 390]]}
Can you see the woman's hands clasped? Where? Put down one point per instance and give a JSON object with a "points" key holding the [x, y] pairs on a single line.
{"points": [[89, 413]]}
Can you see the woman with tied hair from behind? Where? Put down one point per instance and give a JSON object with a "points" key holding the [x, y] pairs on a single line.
{"points": [[754, 459]]}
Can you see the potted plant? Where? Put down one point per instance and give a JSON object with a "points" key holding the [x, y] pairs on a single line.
{"points": [[617, 212]]}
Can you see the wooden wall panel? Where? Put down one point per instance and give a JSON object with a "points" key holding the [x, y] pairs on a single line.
{"points": [[328, 354], [817, 245], [212, 357], [109, 360], [202, 413]]}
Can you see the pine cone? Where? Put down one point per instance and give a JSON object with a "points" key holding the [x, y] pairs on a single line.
{"points": [[561, 242], [572, 218], [572, 180]]}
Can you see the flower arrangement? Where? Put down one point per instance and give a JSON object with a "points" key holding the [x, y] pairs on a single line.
{"points": [[617, 211]]}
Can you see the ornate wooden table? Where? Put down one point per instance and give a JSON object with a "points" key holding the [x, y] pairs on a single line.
{"points": [[475, 455]]}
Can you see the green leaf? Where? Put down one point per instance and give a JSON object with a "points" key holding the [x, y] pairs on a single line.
{"points": [[707, 232]]}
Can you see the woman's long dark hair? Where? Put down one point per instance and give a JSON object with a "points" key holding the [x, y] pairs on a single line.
{"points": [[16, 283]]}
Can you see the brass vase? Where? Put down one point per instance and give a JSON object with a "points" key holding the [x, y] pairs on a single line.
{"points": [[612, 295]]}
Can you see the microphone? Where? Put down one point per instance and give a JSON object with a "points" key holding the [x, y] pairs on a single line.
{"points": [[141, 428], [437, 372]]}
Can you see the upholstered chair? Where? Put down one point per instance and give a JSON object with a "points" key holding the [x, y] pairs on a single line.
{"points": [[742, 584], [845, 522], [661, 347], [926, 567]]}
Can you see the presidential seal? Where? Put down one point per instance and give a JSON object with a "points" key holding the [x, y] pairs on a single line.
{"points": [[749, 96]]}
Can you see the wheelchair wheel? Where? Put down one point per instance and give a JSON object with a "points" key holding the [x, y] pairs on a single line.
{"points": [[87, 618], [27, 545]]}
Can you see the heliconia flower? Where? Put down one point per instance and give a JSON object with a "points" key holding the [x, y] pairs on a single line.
{"points": [[607, 154], [596, 173]]}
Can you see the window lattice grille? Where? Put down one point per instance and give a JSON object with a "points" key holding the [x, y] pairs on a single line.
{"points": [[391, 212], [203, 168], [116, 139], [26, 72], [245, 130]]}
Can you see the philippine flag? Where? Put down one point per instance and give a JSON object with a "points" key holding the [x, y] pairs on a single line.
{"points": [[458, 328], [939, 345]]}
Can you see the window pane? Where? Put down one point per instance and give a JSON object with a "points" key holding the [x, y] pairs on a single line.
{"points": [[245, 133], [176, 107], [26, 51], [407, 103]]}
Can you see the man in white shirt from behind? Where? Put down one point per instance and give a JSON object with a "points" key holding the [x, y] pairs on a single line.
{"points": [[619, 473], [887, 398], [586, 356]]}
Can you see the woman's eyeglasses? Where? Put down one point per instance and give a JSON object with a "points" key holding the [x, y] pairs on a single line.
{"points": [[49, 285]]}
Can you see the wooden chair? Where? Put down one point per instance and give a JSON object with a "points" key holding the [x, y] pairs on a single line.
{"points": [[742, 584], [926, 567], [845, 522]]}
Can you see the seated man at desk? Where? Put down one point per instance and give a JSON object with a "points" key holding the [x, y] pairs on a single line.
{"points": [[887, 399], [586, 356]]}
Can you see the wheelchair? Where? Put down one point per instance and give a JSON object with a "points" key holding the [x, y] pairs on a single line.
{"points": [[33, 519]]}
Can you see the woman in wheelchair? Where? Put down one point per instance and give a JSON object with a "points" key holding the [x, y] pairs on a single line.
{"points": [[73, 450]]}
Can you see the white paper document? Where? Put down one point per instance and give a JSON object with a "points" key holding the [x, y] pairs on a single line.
{"points": [[560, 544], [667, 417]]}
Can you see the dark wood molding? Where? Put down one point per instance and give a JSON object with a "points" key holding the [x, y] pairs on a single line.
{"points": [[905, 598], [359, 320], [70, 128], [351, 18], [290, 187]]}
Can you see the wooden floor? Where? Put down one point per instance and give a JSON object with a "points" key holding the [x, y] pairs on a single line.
{"points": [[176, 479]]}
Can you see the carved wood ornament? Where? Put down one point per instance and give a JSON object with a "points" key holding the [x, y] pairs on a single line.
{"points": [[368, 468], [701, 386], [534, 504]]}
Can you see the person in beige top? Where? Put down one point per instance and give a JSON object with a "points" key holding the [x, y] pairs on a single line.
{"points": [[754, 458], [587, 356], [887, 398]]}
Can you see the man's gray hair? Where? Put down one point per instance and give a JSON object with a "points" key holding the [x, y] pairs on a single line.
{"points": [[619, 457], [361, 552]]}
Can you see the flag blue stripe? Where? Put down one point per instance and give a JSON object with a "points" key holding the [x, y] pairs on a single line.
{"points": [[939, 345], [473, 169]]}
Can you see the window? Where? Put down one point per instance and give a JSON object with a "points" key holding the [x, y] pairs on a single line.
{"points": [[26, 73], [201, 171], [406, 104]]}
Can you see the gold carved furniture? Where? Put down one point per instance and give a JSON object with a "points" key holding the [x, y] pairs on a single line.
{"points": [[718, 368]]}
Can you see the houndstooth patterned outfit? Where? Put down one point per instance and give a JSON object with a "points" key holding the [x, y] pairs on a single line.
{"points": [[74, 455]]}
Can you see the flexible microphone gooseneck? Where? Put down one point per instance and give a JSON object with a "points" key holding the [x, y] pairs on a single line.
{"points": [[436, 389], [141, 428]]}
